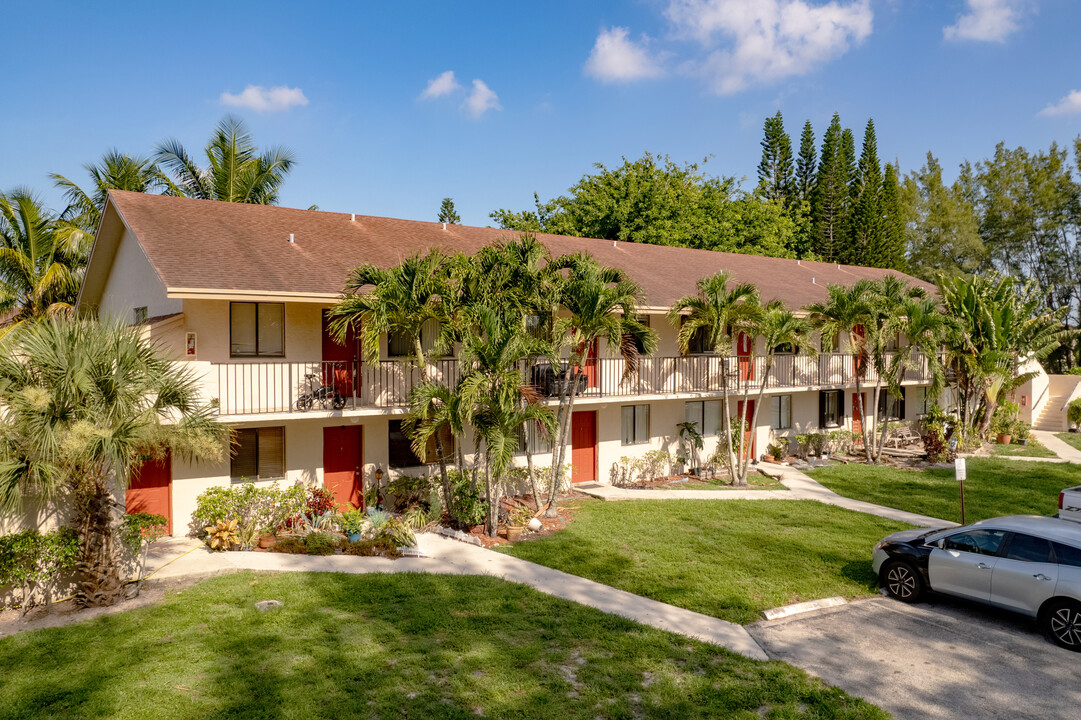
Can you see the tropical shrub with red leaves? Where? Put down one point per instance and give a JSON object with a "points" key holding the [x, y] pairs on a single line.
{"points": [[319, 501]]}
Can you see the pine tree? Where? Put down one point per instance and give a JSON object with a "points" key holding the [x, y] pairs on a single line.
{"points": [[865, 248], [447, 213], [775, 169], [807, 163], [891, 244], [830, 199]]}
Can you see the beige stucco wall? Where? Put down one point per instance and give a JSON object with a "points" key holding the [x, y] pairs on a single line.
{"points": [[133, 283]]}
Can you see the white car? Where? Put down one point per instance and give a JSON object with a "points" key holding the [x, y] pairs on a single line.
{"points": [[1024, 563]]}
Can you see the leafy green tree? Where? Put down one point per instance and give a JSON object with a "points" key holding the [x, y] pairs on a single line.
{"points": [[654, 200], [115, 171], [867, 208], [447, 213], [830, 198], [942, 226], [85, 403], [236, 170], [807, 163], [41, 260], [775, 181]]}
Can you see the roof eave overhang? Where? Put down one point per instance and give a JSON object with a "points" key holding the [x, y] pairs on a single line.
{"points": [[251, 295]]}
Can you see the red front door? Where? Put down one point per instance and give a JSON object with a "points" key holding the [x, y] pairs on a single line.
{"points": [[340, 360], [343, 462], [151, 490], [857, 416], [743, 355], [861, 338], [748, 434], [590, 368], [584, 446]]}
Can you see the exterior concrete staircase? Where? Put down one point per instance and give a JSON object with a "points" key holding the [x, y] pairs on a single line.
{"points": [[1052, 417]]}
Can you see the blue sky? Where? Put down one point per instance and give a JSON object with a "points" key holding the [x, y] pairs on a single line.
{"points": [[563, 85]]}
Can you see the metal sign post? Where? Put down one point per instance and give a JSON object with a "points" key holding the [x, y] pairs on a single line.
{"points": [[960, 471]]}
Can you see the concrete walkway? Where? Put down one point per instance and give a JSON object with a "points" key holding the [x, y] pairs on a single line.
{"points": [[183, 557], [800, 487], [1064, 450]]}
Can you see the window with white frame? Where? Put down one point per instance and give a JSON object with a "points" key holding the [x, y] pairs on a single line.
{"points": [[830, 408], [781, 412], [535, 438], [707, 415], [259, 454], [635, 424], [890, 406]]}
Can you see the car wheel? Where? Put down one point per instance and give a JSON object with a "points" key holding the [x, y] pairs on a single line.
{"points": [[1061, 623], [902, 581]]}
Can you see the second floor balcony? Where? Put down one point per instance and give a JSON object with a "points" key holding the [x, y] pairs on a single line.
{"points": [[248, 388]]}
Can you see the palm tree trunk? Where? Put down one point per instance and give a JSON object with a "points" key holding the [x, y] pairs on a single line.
{"points": [[728, 422], [532, 477], [767, 368], [566, 407], [418, 348]]}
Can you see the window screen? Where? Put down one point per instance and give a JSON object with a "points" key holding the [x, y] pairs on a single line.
{"points": [[535, 437], [708, 416]]}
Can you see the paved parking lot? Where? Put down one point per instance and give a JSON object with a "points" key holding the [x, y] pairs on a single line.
{"points": [[938, 659]]}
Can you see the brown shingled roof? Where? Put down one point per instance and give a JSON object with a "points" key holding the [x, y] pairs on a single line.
{"points": [[220, 246]]}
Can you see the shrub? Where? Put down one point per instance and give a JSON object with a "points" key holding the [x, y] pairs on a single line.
{"points": [[803, 445], [406, 490], [353, 521], [374, 547], [256, 509], [467, 508], [293, 545], [33, 561], [319, 501], [395, 530], [415, 517], [1073, 411], [321, 543]]}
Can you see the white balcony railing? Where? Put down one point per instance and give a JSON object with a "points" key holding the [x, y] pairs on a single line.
{"points": [[245, 388]]}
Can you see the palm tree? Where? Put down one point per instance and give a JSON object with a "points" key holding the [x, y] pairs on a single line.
{"points": [[85, 403], [777, 326], [115, 171], [402, 300], [41, 260], [921, 321], [494, 393], [597, 303], [845, 316], [720, 313], [236, 171]]}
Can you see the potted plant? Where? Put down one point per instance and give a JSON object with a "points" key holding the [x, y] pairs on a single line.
{"points": [[267, 538], [352, 524], [516, 523]]}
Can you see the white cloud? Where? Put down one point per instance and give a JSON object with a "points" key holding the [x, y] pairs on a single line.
{"points": [[445, 84], [987, 20], [767, 40], [617, 59], [481, 100], [1068, 105], [257, 97]]}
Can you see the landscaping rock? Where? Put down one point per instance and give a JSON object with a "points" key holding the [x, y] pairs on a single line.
{"points": [[265, 605], [535, 525]]}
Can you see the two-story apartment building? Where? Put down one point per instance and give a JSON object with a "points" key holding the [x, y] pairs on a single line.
{"points": [[240, 292]]}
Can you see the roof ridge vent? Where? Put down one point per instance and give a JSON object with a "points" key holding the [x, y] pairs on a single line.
{"points": [[798, 262], [812, 281], [352, 217], [444, 226], [291, 238]]}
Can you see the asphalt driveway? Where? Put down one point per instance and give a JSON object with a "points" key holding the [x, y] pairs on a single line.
{"points": [[939, 659]]}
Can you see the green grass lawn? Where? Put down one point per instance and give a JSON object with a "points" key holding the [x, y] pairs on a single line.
{"points": [[1033, 449], [730, 559], [389, 646], [754, 482], [1072, 439], [994, 487]]}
